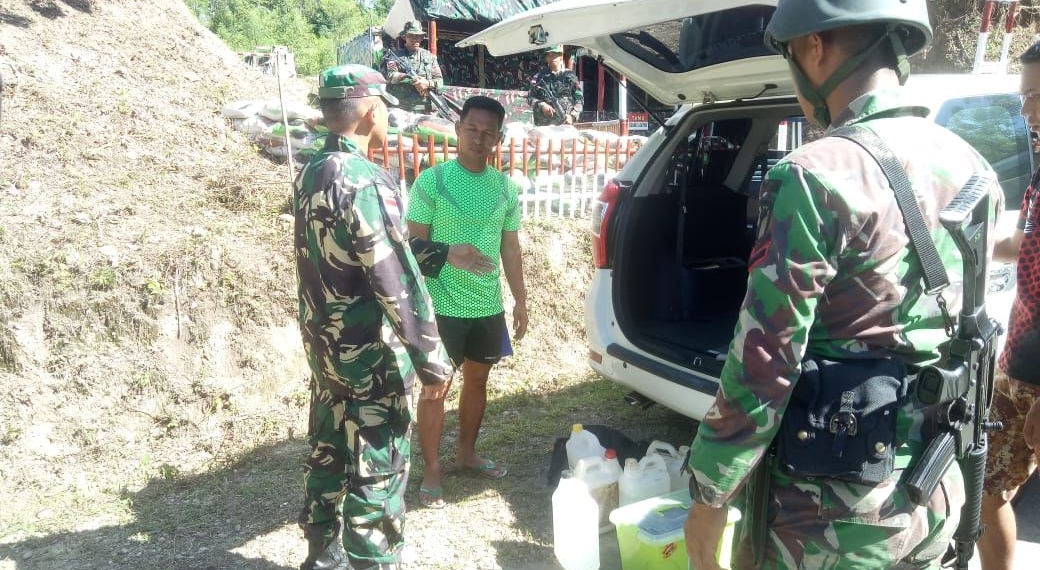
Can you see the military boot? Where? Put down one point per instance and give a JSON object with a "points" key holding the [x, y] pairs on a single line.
{"points": [[325, 556]]}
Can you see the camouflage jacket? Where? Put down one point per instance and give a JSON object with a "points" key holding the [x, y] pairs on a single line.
{"points": [[366, 318], [422, 63], [831, 272], [562, 87]]}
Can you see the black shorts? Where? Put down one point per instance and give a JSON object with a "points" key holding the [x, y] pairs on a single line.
{"points": [[481, 339]]}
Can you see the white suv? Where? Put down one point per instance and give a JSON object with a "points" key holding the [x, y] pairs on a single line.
{"points": [[672, 233]]}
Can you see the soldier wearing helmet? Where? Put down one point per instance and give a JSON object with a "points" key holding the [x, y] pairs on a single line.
{"points": [[833, 279]]}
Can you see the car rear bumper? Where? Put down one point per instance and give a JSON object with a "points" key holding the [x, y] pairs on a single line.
{"points": [[616, 359]]}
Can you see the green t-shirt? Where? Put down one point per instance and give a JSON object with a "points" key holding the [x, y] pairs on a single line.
{"points": [[464, 207]]}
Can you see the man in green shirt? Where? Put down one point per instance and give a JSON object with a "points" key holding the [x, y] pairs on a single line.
{"points": [[466, 200]]}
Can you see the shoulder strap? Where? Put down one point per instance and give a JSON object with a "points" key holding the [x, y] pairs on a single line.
{"points": [[935, 278]]}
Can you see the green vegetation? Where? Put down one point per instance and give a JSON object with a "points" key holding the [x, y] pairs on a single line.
{"points": [[311, 28]]}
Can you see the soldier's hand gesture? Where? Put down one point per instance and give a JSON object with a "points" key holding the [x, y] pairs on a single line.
{"points": [[468, 258]]}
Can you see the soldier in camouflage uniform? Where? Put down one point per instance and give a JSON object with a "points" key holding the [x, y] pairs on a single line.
{"points": [[555, 94], [832, 274], [412, 72], [368, 329]]}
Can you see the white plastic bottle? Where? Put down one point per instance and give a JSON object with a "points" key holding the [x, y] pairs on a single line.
{"points": [[613, 465], [673, 460], [575, 524], [582, 444], [643, 479], [602, 482]]}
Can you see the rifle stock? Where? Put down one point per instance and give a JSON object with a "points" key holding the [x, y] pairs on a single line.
{"points": [[961, 385]]}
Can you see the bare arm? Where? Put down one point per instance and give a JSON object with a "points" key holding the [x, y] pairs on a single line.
{"points": [[1008, 245], [513, 265]]}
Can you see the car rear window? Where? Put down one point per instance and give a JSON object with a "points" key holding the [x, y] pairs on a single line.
{"points": [[992, 124], [686, 44]]}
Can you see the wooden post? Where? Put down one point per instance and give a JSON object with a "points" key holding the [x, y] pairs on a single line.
{"points": [[600, 89], [433, 37], [623, 104], [481, 76]]}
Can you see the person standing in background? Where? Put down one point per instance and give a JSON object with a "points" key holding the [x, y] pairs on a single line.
{"points": [[412, 72], [555, 94]]}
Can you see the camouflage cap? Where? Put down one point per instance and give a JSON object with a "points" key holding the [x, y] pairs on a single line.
{"points": [[413, 28], [353, 81], [554, 49]]}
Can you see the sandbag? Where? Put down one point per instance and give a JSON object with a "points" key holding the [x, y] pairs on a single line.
{"points": [[253, 126], [561, 136], [297, 129], [242, 109], [441, 129], [273, 111]]}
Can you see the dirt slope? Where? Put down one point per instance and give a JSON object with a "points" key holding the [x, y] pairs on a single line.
{"points": [[154, 389], [144, 273]]}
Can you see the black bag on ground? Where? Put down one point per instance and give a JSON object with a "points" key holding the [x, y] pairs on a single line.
{"points": [[841, 419], [608, 437]]}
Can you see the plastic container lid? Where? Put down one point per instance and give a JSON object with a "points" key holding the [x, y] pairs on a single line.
{"points": [[663, 525]]}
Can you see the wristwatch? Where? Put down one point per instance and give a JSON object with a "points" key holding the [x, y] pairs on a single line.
{"points": [[705, 494]]}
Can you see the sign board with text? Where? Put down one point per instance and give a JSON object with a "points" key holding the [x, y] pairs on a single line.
{"points": [[638, 122]]}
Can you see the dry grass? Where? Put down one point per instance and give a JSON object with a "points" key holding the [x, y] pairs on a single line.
{"points": [[155, 391]]}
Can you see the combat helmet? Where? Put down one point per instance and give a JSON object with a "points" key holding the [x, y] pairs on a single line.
{"points": [[907, 30]]}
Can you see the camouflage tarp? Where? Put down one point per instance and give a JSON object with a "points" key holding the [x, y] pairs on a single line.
{"points": [[482, 11], [515, 102], [365, 49], [512, 72]]}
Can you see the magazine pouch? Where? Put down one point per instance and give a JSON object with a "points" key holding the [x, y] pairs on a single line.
{"points": [[841, 419]]}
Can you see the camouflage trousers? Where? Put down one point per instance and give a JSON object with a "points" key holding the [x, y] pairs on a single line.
{"points": [[830, 524], [357, 472]]}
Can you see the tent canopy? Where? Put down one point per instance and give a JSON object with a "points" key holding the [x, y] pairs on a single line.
{"points": [[485, 12]]}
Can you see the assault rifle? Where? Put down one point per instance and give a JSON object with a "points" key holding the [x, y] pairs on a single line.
{"points": [[961, 385], [548, 95], [435, 99]]}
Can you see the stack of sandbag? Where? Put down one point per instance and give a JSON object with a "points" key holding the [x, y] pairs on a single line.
{"points": [[560, 136], [514, 134], [442, 130], [261, 122]]}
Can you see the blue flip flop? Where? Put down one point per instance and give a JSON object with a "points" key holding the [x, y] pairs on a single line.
{"points": [[488, 470], [431, 498]]}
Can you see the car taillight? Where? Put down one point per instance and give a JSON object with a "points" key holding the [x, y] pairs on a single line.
{"points": [[602, 210]]}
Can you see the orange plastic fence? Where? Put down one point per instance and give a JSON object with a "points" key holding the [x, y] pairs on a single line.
{"points": [[560, 176]]}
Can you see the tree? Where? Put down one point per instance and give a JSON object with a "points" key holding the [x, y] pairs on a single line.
{"points": [[310, 28]]}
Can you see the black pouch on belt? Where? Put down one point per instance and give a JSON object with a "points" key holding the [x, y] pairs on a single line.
{"points": [[841, 420]]}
